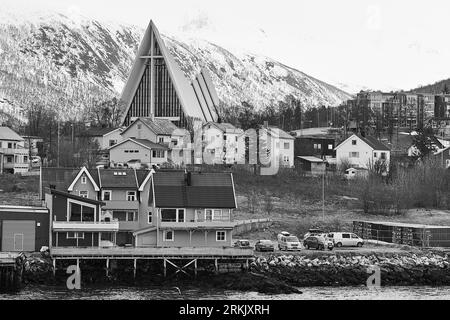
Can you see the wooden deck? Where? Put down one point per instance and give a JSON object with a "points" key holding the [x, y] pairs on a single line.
{"points": [[150, 253]]}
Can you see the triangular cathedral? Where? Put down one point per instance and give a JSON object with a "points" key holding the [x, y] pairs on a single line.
{"points": [[158, 88]]}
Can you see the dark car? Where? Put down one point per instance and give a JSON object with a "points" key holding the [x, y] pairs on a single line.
{"points": [[264, 245], [243, 244], [317, 242]]}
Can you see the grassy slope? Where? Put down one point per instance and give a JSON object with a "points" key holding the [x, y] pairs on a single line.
{"points": [[297, 204]]}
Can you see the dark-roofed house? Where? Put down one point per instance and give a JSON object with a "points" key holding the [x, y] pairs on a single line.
{"points": [[122, 194], [361, 152], [189, 210]]}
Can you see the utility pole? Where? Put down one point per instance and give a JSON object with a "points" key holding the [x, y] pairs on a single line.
{"points": [[57, 156], [323, 194]]}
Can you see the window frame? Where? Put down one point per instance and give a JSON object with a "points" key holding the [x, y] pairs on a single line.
{"points": [[87, 193], [103, 195], [83, 180], [134, 195], [150, 217], [224, 236], [165, 236]]}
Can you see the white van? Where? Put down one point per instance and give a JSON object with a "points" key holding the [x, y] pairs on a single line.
{"points": [[345, 239], [287, 241]]}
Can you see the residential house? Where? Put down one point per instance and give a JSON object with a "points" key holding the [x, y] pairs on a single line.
{"points": [[119, 190], [105, 137], [361, 152], [163, 132], [278, 141], [221, 143], [14, 157], [131, 151], [125, 207], [189, 210]]}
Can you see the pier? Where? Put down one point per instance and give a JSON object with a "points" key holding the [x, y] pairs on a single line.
{"points": [[187, 260], [10, 271]]}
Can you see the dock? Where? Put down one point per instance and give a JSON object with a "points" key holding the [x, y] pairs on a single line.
{"points": [[10, 273], [178, 258]]}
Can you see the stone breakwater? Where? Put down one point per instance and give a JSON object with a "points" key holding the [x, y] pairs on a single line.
{"points": [[348, 270]]}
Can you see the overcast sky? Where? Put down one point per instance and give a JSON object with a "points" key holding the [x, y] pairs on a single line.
{"points": [[376, 44]]}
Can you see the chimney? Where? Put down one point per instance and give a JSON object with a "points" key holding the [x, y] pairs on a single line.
{"points": [[266, 124]]}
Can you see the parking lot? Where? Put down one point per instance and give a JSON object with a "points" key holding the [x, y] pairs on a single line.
{"points": [[367, 248]]}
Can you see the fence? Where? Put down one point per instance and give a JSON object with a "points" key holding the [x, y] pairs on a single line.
{"points": [[244, 226], [404, 234]]}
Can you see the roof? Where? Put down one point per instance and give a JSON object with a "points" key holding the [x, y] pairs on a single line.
{"points": [[157, 125], [407, 225], [370, 141], [278, 133], [75, 197], [7, 133], [310, 158], [99, 132], [143, 142], [92, 175], [118, 178], [441, 151], [225, 127], [188, 96], [23, 209], [206, 190]]}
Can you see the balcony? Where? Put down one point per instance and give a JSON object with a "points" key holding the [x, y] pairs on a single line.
{"points": [[87, 226], [197, 225]]}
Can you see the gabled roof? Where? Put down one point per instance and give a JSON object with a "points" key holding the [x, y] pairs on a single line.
{"points": [[157, 126], [206, 190], [142, 142], [185, 92], [277, 133], [118, 178], [225, 127], [311, 158], [7, 133], [99, 132], [75, 197], [441, 151], [84, 170], [370, 141]]}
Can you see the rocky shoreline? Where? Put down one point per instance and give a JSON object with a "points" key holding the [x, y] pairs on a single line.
{"points": [[276, 274]]}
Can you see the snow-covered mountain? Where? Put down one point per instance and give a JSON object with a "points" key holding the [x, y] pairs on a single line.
{"points": [[68, 62]]}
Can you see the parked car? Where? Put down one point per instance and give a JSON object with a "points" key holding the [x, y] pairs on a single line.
{"points": [[346, 239], [287, 241], [317, 242], [243, 244], [264, 245], [312, 232]]}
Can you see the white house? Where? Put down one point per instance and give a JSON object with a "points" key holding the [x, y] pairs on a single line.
{"points": [[14, 157], [136, 152], [280, 142], [361, 152], [220, 142], [105, 137]]}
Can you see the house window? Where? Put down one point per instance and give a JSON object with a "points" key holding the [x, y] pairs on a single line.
{"points": [[383, 155], [83, 180], [221, 236], [150, 218], [330, 147], [168, 235], [158, 153], [354, 142], [175, 142], [75, 235], [374, 154], [106, 195], [9, 145], [131, 195], [354, 155], [112, 142], [9, 159], [84, 194], [25, 159], [172, 215], [139, 126], [208, 214], [161, 139], [316, 146], [200, 215], [286, 145], [131, 216], [221, 215]]}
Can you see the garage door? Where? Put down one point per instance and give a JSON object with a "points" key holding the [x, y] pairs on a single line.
{"points": [[18, 235]]}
